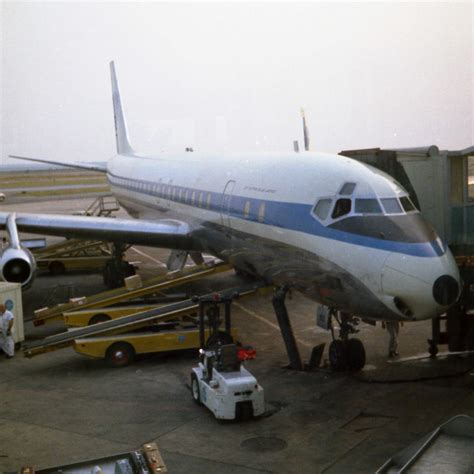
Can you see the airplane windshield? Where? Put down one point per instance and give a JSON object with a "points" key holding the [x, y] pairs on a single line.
{"points": [[408, 206], [392, 206], [347, 204], [367, 206]]}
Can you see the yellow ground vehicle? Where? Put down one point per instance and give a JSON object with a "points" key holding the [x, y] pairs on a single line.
{"points": [[169, 327], [121, 349]]}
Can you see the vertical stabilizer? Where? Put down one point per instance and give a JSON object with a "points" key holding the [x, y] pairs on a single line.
{"points": [[121, 134]]}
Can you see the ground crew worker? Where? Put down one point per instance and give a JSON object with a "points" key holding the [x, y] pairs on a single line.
{"points": [[393, 328], [7, 344]]}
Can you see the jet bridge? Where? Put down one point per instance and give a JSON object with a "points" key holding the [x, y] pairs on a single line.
{"points": [[441, 184]]}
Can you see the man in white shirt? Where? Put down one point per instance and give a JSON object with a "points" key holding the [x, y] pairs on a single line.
{"points": [[7, 344]]}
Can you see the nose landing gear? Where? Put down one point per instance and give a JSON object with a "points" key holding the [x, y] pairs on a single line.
{"points": [[345, 353]]}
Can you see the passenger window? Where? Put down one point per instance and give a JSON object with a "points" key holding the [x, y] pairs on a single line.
{"points": [[247, 210], [186, 196], [261, 212], [407, 204], [347, 189], [367, 206], [322, 208], [193, 198], [201, 195], [342, 207], [391, 206], [208, 200]]}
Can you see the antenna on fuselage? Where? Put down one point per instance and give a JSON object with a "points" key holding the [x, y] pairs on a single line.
{"points": [[305, 131], [121, 133]]}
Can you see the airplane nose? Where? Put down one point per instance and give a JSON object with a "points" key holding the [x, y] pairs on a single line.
{"points": [[420, 287], [445, 290]]}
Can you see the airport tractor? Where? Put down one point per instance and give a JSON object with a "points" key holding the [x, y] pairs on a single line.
{"points": [[220, 381]]}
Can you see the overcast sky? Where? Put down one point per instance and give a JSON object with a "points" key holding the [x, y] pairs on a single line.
{"points": [[233, 76]]}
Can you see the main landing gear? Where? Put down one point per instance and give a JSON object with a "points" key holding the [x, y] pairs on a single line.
{"points": [[345, 353]]}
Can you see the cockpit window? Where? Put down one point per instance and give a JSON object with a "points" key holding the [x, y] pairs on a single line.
{"points": [[347, 189], [322, 208], [407, 205], [391, 206], [367, 206], [342, 207]]}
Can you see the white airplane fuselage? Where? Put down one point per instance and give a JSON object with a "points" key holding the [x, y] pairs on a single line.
{"points": [[362, 249]]}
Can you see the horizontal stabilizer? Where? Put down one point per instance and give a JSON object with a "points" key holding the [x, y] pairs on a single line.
{"points": [[101, 167]]}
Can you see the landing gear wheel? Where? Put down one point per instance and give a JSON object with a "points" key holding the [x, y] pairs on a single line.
{"points": [[355, 354], [195, 389], [120, 354], [337, 355], [99, 318], [115, 272], [219, 337]]}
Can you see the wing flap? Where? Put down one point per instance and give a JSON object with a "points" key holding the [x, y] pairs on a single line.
{"points": [[161, 233]]}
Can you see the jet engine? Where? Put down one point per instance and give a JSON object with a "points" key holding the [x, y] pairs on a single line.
{"points": [[17, 264]]}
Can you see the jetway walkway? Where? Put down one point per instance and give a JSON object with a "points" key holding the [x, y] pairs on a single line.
{"points": [[154, 285], [135, 321]]}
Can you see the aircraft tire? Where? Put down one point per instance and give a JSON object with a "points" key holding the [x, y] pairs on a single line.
{"points": [[195, 389], [355, 354], [337, 355]]}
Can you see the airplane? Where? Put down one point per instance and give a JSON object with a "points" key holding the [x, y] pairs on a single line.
{"points": [[341, 232]]}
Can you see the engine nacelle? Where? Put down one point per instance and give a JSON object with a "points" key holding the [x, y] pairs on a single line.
{"points": [[17, 265]]}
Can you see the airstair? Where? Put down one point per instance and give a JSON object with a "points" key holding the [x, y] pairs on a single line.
{"points": [[102, 206]]}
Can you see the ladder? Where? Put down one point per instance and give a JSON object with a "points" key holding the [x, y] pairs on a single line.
{"points": [[102, 206]]}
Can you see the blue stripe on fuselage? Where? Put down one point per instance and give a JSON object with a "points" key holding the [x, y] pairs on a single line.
{"points": [[291, 216]]}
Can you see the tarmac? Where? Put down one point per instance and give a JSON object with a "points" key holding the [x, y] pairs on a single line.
{"points": [[62, 407]]}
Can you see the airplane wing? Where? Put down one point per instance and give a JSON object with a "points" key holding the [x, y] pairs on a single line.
{"points": [[101, 167], [161, 233]]}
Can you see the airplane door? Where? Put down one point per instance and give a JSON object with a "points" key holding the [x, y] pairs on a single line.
{"points": [[226, 203]]}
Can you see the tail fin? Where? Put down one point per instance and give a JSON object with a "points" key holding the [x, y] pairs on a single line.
{"points": [[121, 134]]}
